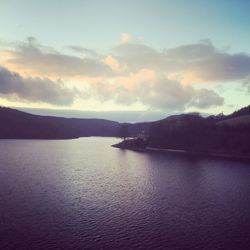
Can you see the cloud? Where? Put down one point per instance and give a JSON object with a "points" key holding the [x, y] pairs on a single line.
{"points": [[205, 98], [133, 72], [246, 85], [166, 94], [223, 67], [83, 51], [35, 59], [13, 86], [138, 56], [114, 64], [159, 94], [200, 62], [191, 52], [126, 38]]}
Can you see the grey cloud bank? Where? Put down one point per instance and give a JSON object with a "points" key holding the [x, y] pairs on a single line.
{"points": [[202, 59], [195, 63], [163, 94], [34, 89], [46, 61]]}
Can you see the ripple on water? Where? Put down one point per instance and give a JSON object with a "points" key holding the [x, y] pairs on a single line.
{"points": [[84, 194]]}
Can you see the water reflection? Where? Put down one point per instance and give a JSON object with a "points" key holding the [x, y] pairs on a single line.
{"points": [[84, 194]]}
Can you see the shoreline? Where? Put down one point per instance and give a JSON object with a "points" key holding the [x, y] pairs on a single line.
{"points": [[184, 152]]}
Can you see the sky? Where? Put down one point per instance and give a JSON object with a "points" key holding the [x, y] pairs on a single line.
{"points": [[150, 56]]}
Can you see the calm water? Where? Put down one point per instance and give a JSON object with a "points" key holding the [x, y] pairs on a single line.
{"points": [[84, 194]]}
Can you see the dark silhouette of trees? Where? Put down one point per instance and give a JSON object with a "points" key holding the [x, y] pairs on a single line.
{"points": [[123, 132], [198, 134]]}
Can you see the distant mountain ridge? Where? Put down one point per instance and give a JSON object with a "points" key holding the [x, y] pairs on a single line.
{"points": [[15, 124]]}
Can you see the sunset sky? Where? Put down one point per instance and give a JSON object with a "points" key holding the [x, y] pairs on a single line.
{"points": [[113, 55]]}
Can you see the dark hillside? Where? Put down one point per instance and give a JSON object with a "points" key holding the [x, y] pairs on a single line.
{"points": [[198, 134], [15, 124]]}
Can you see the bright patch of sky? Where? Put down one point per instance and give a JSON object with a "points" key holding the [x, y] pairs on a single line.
{"points": [[97, 28]]}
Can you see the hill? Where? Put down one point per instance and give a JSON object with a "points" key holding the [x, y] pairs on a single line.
{"points": [[236, 121], [190, 132], [220, 135], [241, 112], [15, 124]]}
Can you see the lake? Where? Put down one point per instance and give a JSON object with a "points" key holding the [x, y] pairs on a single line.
{"points": [[84, 194]]}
